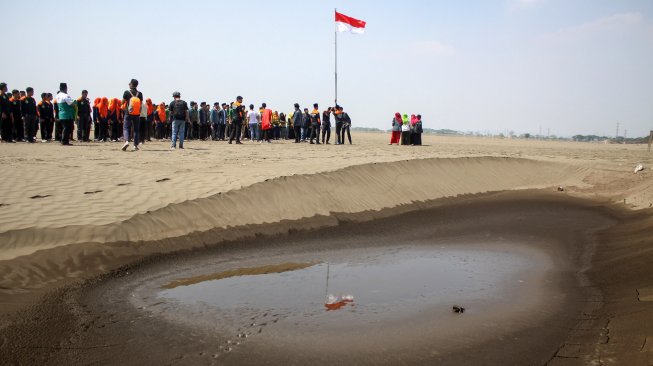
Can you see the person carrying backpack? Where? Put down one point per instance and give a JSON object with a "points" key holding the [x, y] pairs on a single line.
{"points": [[132, 100], [180, 117]]}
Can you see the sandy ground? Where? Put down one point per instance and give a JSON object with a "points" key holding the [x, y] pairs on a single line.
{"points": [[70, 213]]}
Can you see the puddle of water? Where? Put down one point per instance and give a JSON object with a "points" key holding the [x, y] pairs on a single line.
{"points": [[384, 282]]}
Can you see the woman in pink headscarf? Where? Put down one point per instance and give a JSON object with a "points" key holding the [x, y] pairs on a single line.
{"points": [[396, 129], [413, 135]]}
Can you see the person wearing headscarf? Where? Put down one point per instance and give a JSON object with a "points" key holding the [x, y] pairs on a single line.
{"points": [[149, 120], [114, 118], [397, 122], [283, 132], [405, 130], [413, 134], [160, 120], [418, 130], [103, 119], [276, 125]]}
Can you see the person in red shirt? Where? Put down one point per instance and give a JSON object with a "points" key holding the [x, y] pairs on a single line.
{"points": [[266, 122]]}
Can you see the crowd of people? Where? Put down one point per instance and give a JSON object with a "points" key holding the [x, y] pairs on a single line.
{"points": [[133, 119]]}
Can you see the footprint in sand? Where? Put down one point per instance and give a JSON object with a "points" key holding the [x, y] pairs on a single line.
{"points": [[40, 196]]}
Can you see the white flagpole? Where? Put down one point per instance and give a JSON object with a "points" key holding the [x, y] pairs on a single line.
{"points": [[336, 63]]}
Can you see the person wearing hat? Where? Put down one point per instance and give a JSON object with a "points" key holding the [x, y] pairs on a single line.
{"points": [[131, 119], [180, 117], [66, 113]]}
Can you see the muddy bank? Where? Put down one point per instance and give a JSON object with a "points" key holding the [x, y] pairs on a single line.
{"points": [[106, 321]]}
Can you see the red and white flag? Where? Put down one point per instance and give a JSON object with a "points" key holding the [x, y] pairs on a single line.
{"points": [[349, 24]]}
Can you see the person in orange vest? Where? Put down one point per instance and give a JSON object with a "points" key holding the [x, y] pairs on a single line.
{"points": [[160, 120], [266, 122], [132, 100]]}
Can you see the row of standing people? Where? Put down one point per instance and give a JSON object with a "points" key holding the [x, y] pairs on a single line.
{"points": [[301, 126], [56, 117], [131, 119], [233, 122]]}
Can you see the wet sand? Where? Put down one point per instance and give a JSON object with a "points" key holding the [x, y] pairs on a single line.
{"points": [[114, 319]]}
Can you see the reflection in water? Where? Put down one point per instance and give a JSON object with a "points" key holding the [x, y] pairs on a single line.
{"points": [[278, 268], [336, 303]]}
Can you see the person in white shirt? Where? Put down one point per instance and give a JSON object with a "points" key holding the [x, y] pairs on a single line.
{"points": [[66, 112], [253, 118]]}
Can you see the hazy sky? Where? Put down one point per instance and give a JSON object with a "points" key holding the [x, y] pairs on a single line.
{"points": [[571, 66]]}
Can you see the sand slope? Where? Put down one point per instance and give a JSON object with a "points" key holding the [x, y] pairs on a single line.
{"points": [[353, 189]]}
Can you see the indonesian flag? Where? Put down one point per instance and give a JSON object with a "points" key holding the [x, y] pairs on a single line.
{"points": [[349, 24]]}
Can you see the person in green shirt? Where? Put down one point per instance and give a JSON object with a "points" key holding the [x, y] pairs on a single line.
{"points": [[66, 113]]}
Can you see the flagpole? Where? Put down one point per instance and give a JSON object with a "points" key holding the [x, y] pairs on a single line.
{"points": [[336, 63]]}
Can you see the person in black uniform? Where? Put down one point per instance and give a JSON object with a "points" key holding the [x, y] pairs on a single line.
{"points": [[298, 122], [18, 128], [346, 126], [84, 117], [236, 121], [343, 123], [58, 127], [314, 118], [326, 126], [28, 109], [6, 121], [46, 117]]}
